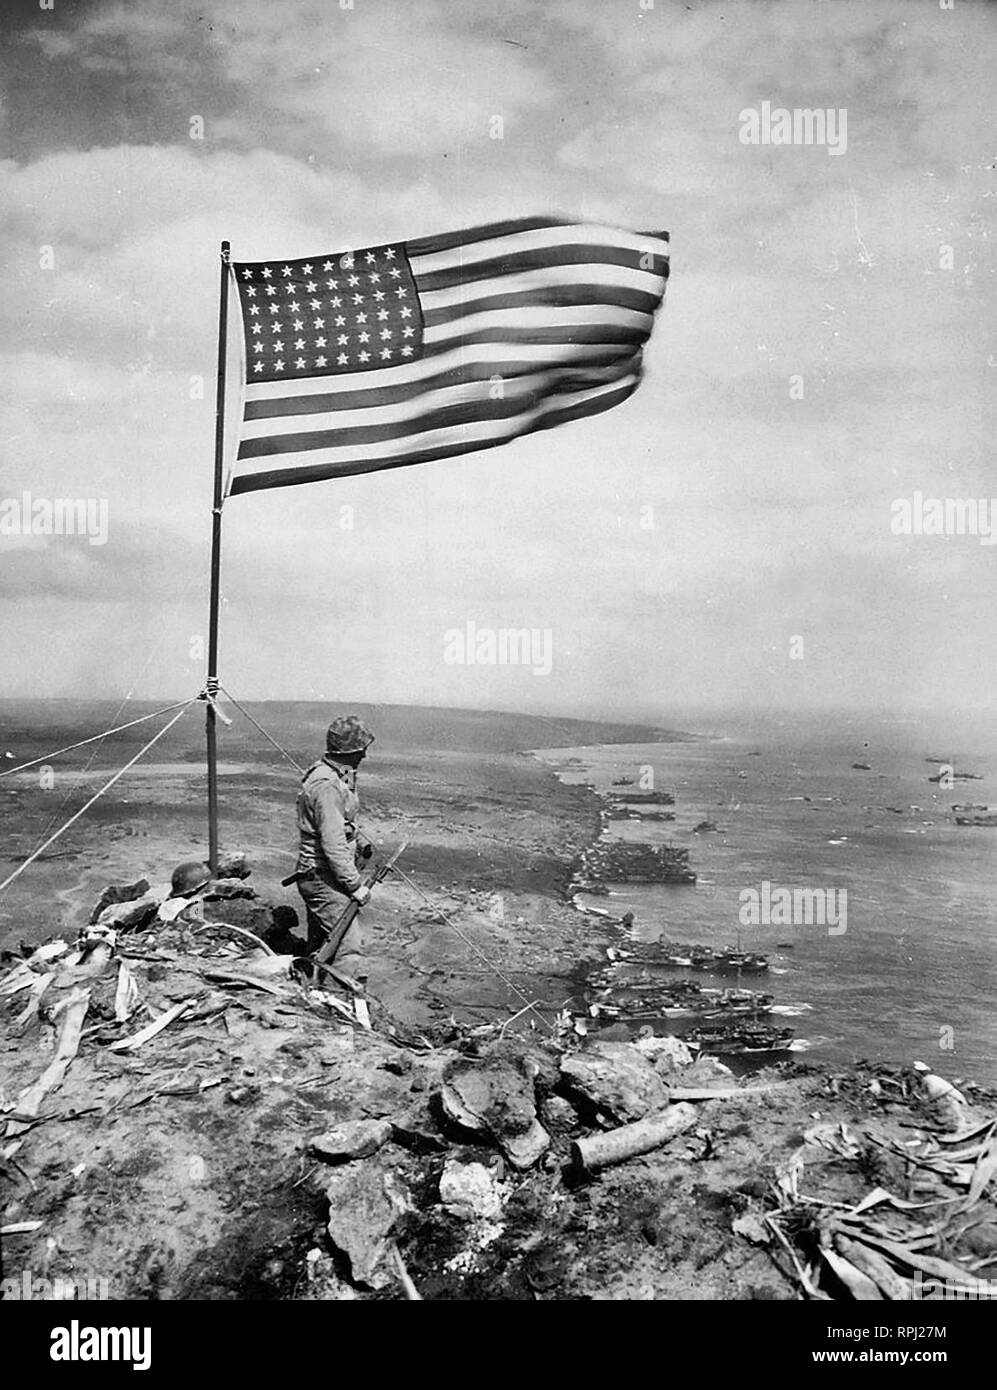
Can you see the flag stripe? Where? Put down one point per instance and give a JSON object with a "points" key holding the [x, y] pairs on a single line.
{"points": [[441, 308], [308, 468], [561, 325], [446, 409], [458, 391], [266, 397], [552, 238], [509, 263]]}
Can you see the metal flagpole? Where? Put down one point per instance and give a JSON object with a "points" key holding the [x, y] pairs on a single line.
{"points": [[211, 684]]}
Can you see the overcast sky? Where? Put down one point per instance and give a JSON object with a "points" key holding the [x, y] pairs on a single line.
{"points": [[327, 126]]}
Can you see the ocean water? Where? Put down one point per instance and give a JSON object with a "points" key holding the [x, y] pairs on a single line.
{"points": [[914, 974]]}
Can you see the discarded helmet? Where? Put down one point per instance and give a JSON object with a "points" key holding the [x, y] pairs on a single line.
{"points": [[348, 734], [188, 878]]}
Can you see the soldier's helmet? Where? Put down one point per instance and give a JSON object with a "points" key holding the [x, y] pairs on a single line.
{"points": [[188, 878], [348, 734]]}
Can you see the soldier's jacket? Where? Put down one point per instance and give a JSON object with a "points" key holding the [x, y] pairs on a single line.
{"points": [[327, 823]]}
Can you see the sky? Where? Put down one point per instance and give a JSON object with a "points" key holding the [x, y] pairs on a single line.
{"points": [[724, 539]]}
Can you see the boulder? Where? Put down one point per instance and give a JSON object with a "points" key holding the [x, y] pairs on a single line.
{"points": [[708, 1071], [119, 893], [233, 866], [494, 1096], [365, 1202], [470, 1191], [667, 1055], [616, 1080], [352, 1139], [131, 915]]}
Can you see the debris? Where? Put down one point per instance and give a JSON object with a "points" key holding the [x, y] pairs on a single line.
{"points": [[629, 1141], [136, 1040], [616, 1080], [752, 1228], [132, 915], [666, 1054], [494, 1095], [945, 1104], [365, 1202], [20, 1228], [30, 1100], [126, 998], [119, 893], [352, 1139], [470, 1191]]}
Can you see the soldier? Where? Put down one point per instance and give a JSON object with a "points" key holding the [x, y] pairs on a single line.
{"points": [[327, 856]]}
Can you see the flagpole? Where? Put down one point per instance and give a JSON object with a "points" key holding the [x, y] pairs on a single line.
{"points": [[211, 684]]}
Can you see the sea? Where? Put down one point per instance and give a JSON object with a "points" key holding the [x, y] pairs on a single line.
{"points": [[913, 974]]}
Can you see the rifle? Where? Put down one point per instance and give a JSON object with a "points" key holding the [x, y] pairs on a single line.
{"points": [[346, 918]]}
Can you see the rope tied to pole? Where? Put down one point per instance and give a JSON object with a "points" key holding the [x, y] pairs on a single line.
{"points": [[95, 738]]}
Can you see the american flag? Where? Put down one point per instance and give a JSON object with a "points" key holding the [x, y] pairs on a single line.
{"points": [[425, 349]]}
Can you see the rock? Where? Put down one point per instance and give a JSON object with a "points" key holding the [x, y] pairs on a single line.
{"points": [[616, 1080], [119, 893], [233, 866], [494, 1095], [667, 1055], [559, 1113], [470, 1191], [352, 1139], [708, 1071], [365, 1201], [131, 915], [752, 1228], [229, 888]]}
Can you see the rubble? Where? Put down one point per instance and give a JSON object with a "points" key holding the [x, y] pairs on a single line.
{"points": [[615, 1080], [352, 1139]]}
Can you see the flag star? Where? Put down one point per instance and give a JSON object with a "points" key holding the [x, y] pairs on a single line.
{"points": [[271, 290], [257, 366], [278, 366], [401, 293], [395, 273], [291, 289], [386, 333], [364, 356], [408, 332], [257, 347], [299, 343], [254, 308], [343, 339], [294, 306], [390, 253], [379, 295], [327, 265], [315, 303], [364, 337], [298, 325], [267, 272], [318, 323], [383, 314], [257, 328], [385, 352], [320, 361], [251, 291], [353, 280], [405, 312], [278, 347], [406, 350], [332, 284], [247, 274], [361, 318], [346, 260], [311, 286], [340, 320], [274, 308], [342, 359], [299, 361], [374, 278], [276, 327], [320, 342], [358, 299], [306, 270], [335, 302], [285, 270], [371, 258]]}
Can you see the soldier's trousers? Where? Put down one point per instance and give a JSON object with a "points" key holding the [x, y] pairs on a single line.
{"points": [[325, 903]]}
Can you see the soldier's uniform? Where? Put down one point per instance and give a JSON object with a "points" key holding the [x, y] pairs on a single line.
{"points": [[327, 856]]}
